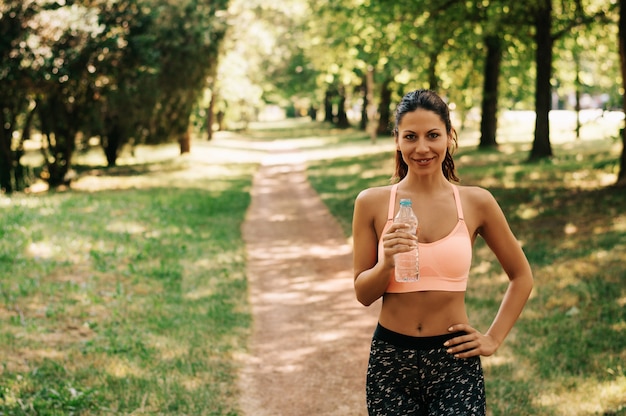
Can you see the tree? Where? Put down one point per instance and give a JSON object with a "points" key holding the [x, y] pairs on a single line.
{"points": [[498, 20], [127, 73], [119, 70], [66, 87], [572, 15], [542, 14], [489, 119], [621, 177], [15, 85], [188, 36]]}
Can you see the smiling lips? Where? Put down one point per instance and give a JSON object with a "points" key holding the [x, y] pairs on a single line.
{"points": [[424, 161]]}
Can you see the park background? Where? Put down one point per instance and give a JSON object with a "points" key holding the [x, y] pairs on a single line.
{"points": [[131, 131]]}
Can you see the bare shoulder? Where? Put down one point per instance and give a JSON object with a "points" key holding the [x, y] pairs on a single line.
{"points": [[476, 197], [480, 208], [370, 206], [370, 211], [374, 195]]}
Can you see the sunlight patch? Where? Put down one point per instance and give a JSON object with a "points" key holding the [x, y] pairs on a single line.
{"points": [[40, 251], [619, 223], [121, 368], [589, 397], [200, 293], [527, 213], [496, 361], [126, 227], [570, 228]]}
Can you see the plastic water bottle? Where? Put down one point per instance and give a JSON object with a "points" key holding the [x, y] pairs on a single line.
{"points": [[407, 264]]}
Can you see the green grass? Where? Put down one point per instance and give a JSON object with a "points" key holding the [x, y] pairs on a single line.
{"points": [[121, 301]]}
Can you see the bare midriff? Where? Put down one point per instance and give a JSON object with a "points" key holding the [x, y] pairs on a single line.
{"points": [[423, 314]]}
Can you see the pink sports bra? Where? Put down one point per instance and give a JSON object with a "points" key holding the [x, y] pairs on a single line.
{"points": [[444, 264]]}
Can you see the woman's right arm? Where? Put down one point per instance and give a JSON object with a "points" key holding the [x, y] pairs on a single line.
{"points": [[371, 274]]}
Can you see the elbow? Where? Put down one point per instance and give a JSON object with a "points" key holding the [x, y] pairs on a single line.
{"points": [[364, 301], [364, 297], [361, 295]]}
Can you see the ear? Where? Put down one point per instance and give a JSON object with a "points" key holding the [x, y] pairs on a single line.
{"points": [[397, 141]]}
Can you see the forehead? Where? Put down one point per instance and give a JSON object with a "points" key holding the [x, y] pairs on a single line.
{"points": [[421, 118]]}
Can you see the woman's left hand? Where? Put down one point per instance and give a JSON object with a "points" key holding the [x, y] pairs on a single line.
{"points": [[471, 344]]}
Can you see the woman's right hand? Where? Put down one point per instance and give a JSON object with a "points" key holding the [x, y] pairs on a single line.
{"points": [[398, 239]]}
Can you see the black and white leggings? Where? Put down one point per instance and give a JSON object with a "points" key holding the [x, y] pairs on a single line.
{"points": [[416, 376]]}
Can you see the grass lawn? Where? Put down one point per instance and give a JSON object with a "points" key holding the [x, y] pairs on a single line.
{"points": [[127, 294], [128, 297]]}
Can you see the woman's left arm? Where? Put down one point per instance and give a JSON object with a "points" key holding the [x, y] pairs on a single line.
{"points": [[495, 230]]}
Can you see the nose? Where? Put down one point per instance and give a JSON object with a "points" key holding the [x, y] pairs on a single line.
{"points": [[421, 146]]}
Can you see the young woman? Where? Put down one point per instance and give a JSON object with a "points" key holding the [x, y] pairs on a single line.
{"points": [[425, 354]]}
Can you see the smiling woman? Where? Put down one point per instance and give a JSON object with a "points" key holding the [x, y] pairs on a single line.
{"points": [[424, 335]]}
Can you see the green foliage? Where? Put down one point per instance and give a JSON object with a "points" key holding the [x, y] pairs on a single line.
{"points": [[122, 70]]}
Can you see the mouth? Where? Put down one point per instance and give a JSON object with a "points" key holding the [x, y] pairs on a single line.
{"points": [[423, 161]]}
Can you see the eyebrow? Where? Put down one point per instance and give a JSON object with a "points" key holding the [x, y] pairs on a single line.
{"points": [[437, 129]]}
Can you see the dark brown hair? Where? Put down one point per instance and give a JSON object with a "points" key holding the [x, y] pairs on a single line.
{"points": [[427, 100]]}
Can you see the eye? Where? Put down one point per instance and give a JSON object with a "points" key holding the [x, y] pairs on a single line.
{"points": [[433, 135], [409, 136]]}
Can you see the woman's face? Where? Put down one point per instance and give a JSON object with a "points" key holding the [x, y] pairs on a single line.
{"points": [[423, 140]]}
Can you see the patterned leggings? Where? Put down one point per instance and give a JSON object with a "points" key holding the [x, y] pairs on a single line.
{"points": [[416, 376]]}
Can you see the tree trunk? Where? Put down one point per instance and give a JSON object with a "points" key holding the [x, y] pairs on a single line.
{"points": [[489, 118], [6, 164], [112, 142], [21, 182], [365, 95], [621, 176], [342, 116], [60, 133], [384, 120], [370, 109], [328, 107], [578, 88], [185, 141], [60, 162], [210, 117], [6, 156], [543, 90]]}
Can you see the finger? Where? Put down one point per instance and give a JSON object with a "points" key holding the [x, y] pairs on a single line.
{"points": [[456, 344], [472, 347], [468, 354], [397, 226], [396, 241], [462, 328], [400, 236]]}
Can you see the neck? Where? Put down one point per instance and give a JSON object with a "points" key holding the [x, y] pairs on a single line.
{"points": [[425, 184]]}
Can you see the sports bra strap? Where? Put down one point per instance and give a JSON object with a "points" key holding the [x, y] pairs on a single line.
{"points": [[457, 199], [392, 202]]}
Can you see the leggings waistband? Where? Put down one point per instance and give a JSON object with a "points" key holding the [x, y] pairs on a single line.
{"points": [[415, 343]]}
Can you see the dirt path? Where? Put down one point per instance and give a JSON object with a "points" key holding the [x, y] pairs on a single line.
{"points": [[310, 341]]}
